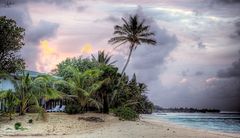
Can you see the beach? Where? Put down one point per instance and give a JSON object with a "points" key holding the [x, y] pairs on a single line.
{"points": [[63, 125]]}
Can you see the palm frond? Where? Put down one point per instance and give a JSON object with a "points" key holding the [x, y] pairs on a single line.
{"points": [[147, 41]]}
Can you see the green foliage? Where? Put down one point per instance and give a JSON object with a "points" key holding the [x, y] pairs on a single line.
{"points": [[30, 121], [29, 91], [64, 69], [17, 125], [11, 102], [101, 86], [11, 41], [126, 113], [84, 86], [73, 109], [132, 94], [103, 58]]}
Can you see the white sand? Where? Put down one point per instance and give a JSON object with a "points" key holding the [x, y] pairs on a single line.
{"points": [[60, 125]]}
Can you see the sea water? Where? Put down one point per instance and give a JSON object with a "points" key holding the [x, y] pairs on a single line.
{"points": [[223, 122]]}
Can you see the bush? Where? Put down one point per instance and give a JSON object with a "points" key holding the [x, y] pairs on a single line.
{"points": [[73, 109], [30, 121], [126, 113], [18, 126]]}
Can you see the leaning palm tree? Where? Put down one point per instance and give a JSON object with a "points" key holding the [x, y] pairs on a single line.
{"points": [[134, 32]]}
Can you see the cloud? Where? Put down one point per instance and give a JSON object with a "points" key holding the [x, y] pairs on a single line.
{"points": [[227, 86], [183, 80], [43, 30], [81, 8], [201, 45], [63, 3], [110, 18], [232, 72], [225, 92], [185, 73], [211, 80], [199, 73], [228, 1], [19, 13], [236, 33]]}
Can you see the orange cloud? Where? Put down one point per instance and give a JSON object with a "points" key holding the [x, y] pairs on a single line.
{"points": [[44, 44], [87, 49], [48, 57]]}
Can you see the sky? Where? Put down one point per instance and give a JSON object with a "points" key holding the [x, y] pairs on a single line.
{"points": [[196, 62]]}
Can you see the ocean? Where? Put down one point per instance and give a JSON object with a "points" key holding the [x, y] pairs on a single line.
{"points": [[222, 122]]}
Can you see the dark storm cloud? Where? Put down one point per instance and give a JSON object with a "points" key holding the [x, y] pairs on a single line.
{"points": [[228, 86], [33, 33], [19, 14], [43, 30], [221, 92], [110, 18], [16, 2], [199, 73], [228, 1], [201, 45], [184, 73], [236, 35], [226, 92], [232, 72], [81, 8]]}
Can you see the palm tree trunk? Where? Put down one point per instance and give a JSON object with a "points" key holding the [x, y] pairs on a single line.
{"points": [[124, 68], [21, 111], [105, 103], [128, 59]]}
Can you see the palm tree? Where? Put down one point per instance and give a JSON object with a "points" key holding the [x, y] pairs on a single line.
{"points": [[134, 32], [29, 91], [107, 77], [43, 90], [103, 58], [85, 86], [11, 102]]}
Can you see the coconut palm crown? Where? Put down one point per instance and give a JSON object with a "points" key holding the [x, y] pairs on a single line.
{"points": [[133, 31]]}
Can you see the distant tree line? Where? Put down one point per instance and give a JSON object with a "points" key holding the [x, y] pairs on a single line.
{"points": [[185, 110]]}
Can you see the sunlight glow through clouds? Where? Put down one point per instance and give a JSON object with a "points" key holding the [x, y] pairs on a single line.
{"points": [[87, 49], [45, 48], [49, 57]]}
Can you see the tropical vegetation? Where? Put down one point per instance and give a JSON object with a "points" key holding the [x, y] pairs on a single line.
{"points": [[11, 42], [89, 84]]}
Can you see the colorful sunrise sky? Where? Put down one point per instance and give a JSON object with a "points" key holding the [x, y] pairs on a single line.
{"points": [[196, 62]]}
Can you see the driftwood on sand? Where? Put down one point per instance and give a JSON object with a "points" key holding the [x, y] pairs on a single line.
{"points": [[91, 119]]}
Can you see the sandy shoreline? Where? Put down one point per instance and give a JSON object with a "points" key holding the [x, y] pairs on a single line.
{"points": [[63, 126]]}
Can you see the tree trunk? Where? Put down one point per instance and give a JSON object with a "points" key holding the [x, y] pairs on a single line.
{"points": [[124, 68], [128, 59], [105, 103], [21, 110]]}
